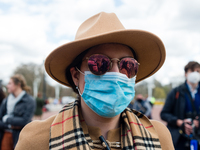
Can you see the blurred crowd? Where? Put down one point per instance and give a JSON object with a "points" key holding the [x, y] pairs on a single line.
{"points": [[181, 110], [143, 105]]}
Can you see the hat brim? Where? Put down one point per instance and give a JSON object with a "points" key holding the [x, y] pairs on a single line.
{"points": [[149, 50]]}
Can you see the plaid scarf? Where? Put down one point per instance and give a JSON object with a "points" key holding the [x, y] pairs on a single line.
{"points": [[66, 132]]}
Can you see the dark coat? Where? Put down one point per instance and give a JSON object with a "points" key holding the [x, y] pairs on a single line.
{"points": [[39, 103], [174, 109], [23, 113]]}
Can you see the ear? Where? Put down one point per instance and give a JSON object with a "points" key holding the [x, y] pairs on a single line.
{"points": [[75, 75]]}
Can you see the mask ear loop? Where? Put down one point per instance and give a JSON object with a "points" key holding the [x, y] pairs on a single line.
{"points": [[78, 83], [78, 91], [80, 71]]}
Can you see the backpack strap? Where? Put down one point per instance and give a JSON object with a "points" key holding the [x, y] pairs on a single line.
{"points": [[177, 95]]}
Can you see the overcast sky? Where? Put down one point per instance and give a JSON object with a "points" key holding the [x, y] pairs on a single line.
{"points": [[31, 29]]}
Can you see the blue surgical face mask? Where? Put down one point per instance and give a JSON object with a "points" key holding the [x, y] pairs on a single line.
{"points": [[109, 94]]}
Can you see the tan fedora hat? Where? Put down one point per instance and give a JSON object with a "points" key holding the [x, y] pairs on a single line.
{"points": [[107, 28]]}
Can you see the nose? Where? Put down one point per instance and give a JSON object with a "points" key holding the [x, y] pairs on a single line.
{"points": [[114, 67]]}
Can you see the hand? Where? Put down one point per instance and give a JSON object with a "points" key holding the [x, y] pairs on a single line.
{"points": [[188, 126], [179, 122], [196, 122], [5, 117]]}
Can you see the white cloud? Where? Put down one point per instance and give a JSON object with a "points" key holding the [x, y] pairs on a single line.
{"points": [[30, 30]]}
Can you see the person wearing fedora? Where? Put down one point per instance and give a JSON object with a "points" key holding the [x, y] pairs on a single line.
{"points": [[102, 65]]}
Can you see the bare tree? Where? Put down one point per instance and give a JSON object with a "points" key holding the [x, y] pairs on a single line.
{"points": [[31, 72]]}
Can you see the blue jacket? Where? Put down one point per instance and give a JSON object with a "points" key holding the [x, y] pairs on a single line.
{"points": [[23, 113], [175, 108]]}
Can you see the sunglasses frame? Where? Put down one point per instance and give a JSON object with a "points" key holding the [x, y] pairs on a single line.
{"points": [[118, 62]]}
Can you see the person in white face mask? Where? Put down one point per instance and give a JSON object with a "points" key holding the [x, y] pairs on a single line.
{"points": [[182, 108]]}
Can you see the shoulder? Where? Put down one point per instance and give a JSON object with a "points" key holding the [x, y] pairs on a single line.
{"points": [[164, 135], [28, 98], [35, 135], [172, 94], [26, 95], [182, 87]]}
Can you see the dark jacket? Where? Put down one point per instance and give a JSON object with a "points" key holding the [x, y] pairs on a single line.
{"points": [[23, 113], [39, 103], [174, 109]]}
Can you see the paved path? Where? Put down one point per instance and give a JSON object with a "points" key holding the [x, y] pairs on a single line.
{"points": [[156, 113], [48, 114]]}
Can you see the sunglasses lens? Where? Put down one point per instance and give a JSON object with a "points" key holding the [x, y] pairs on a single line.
{"points": [[98, 64], [128, 66]]}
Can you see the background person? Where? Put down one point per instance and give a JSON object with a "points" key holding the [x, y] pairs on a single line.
{"points": [[15, 112], [180, 103], [39, 107], [141, 105], [99, 118], [151, 101]]}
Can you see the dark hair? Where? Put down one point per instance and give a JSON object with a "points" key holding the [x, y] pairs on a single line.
{"points": [[77, 63], [2, 95], [19, 79], [192, 65]]}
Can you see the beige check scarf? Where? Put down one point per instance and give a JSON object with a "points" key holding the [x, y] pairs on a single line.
{"points": [[66, 133]]}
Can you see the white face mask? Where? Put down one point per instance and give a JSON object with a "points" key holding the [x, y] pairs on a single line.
{"points": [[193, 77]]}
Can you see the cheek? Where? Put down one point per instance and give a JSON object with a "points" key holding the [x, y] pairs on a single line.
{"points": [[187, 73], [10, 89], [81, 83]]}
